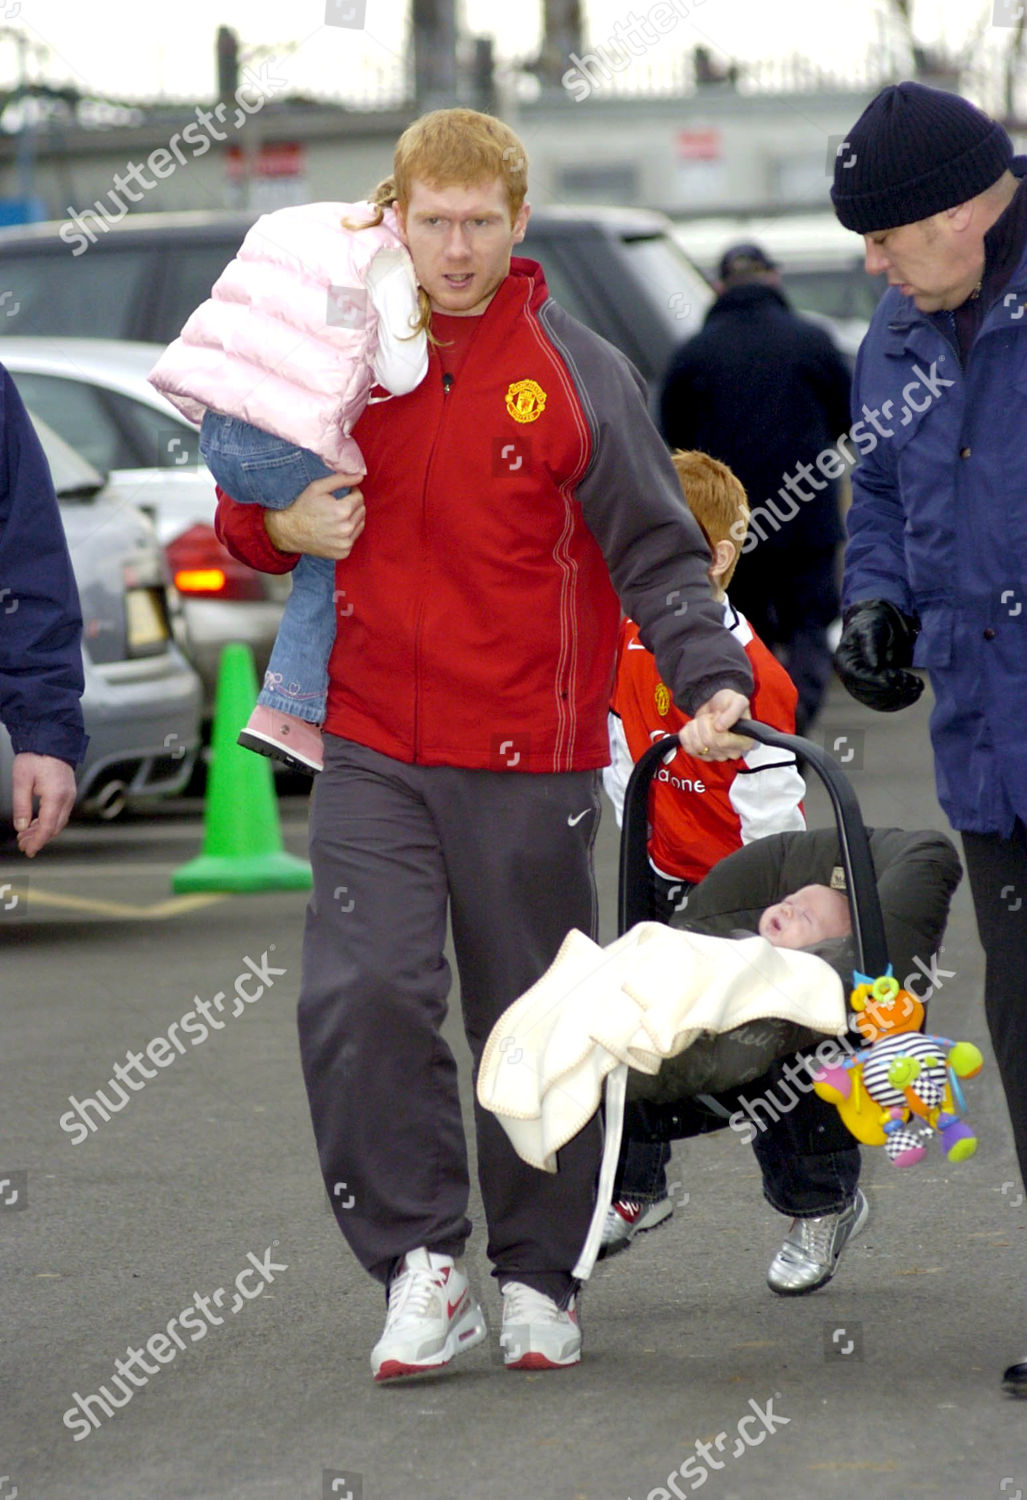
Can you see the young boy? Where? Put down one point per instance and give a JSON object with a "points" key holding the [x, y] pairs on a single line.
{"points": [[703, 810], [700, 811]]}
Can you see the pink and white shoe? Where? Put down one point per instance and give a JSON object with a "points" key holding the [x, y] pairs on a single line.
{"points": [[432, 1317], [295, 742], [536, 1334]]}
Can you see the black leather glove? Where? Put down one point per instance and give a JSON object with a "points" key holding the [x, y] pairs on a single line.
{"points": [[876, 645]]}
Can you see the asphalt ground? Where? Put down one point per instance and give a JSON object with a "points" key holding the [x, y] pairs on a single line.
{"points": [[884, 1383]]}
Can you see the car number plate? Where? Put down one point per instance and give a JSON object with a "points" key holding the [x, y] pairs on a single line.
{"points": [[146, 619]]}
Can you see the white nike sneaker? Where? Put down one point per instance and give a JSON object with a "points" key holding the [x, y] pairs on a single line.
{"points": [[625, 1219], [432, 1316], [536, 1334]]}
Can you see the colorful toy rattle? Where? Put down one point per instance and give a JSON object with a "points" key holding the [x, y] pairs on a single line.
{"points": [[904, 1086]]}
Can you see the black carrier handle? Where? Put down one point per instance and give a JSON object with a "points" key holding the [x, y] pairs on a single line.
{"points": [[867, 922]]}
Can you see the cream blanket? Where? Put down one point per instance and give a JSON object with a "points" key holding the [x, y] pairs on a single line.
{"points": [[647, 996]]}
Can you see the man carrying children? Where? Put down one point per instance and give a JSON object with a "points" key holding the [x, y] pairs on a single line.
{"points": [[510, 500]]}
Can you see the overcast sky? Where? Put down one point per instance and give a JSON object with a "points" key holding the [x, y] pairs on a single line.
{"points": [[126, 48]]}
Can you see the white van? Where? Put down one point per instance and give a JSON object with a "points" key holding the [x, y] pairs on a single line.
{"points": [[821, 263]]}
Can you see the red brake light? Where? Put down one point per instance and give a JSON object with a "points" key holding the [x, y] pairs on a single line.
{"points": [[203, 569], [200, 580]]}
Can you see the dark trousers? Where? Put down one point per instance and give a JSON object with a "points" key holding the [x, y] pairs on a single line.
{"points": [[790, 597], [997, 869], [809, 1161], [392, 847]]}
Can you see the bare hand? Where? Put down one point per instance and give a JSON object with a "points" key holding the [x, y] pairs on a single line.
{"points": [[706, 735], [53, 782], [316, 522]]}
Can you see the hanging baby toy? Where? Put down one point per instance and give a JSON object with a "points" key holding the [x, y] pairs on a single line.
{"points": [[904, 1086]]}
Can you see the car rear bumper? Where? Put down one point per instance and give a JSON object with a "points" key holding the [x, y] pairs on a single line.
{"points": [[142, 743]]}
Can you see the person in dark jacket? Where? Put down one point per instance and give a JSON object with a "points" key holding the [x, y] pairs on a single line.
{"points": [[767, 393], [936, 562], [41, 678]]}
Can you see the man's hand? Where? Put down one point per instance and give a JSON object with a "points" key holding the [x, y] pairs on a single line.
{"points": [[316, 522], [875, 649], [707, 734], [53, 782]]}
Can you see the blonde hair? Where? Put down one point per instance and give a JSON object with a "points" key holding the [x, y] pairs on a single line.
{"points": [[716, 498], [447, 147], [461, 147]]}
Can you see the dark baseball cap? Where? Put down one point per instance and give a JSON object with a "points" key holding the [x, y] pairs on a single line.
{"points": [[746, 256]]}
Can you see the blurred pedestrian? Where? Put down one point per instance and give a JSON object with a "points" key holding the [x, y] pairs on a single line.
{"points": [[766, 392], [41, 679], [510, 498], [936, 562]]}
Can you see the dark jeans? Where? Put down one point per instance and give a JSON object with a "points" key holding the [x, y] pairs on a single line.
{"points": [[997, 869], [809, 1161], [790, 598]]}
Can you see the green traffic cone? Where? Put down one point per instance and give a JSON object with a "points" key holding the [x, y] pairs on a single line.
{"points": [[242, 836]]}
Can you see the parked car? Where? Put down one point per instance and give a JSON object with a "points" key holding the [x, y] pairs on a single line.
{"points": [[95, 394], [821, 263], [142, 698], [619, 271]]}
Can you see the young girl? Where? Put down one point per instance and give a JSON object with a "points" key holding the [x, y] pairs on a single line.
{"points": [[320, 304]]}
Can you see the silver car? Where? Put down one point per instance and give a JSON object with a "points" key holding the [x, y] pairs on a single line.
{"points": [[95, 395], [142, 698]]}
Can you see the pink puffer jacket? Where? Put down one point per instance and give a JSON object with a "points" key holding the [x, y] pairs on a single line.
{"points": [[287, 338]]}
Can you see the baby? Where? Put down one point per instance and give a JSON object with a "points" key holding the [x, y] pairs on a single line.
{"points": [[812, 915]]}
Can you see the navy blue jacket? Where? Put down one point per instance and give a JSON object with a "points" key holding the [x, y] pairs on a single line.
{"points": [[763, 390], [938, 526], [41, 677]]}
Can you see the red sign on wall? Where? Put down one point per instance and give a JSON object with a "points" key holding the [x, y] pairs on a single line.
{"points": [[698, 145], [271, 159]]}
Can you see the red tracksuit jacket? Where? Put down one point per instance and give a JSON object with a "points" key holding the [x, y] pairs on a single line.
{"points": [[476, 620]]}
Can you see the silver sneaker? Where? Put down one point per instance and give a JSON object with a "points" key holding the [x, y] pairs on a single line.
{"points": [[809, 1256]]}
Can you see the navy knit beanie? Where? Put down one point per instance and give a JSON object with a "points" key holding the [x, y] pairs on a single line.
{"points": [[913, 152]]}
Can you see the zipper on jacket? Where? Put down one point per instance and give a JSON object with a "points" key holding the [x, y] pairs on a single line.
{"points": [[447, 383]]}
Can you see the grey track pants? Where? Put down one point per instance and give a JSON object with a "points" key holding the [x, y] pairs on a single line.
{"points": [[391, 845]]}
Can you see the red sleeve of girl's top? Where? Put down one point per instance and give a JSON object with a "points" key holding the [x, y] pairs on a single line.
{"points": [[241, 529]]}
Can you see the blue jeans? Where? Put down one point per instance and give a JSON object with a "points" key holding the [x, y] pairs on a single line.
{"points": [[256, 468]]}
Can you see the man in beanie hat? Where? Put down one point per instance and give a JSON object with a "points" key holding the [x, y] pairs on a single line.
{"points": [[936, 561]]}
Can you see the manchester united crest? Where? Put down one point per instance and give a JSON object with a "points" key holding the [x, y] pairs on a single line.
{"points": [[663, 700], [525, 400]]}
